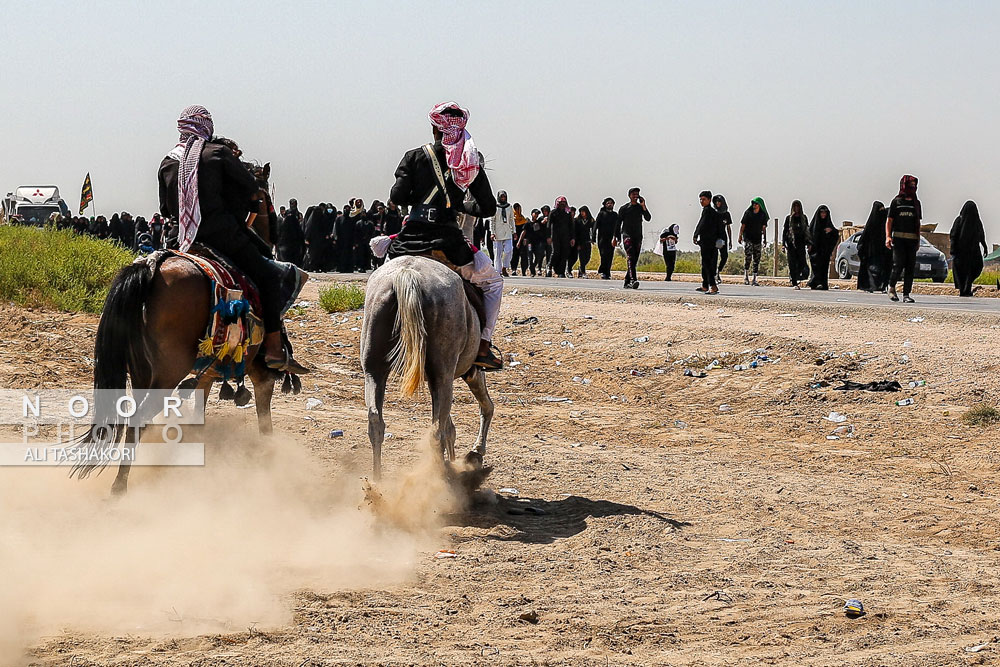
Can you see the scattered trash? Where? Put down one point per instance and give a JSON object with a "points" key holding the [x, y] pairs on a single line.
{"points": [[836, 418], [915, 320], [527, 320], [716, 364], [905, 359], [833, 437], [529, 617], [854, 609], [845, 430], [917, 383], [741, 367], [336, 433], [732, 539], [355, 329], [579, 380], [641, 339], [691, 305], [637, 374], [694, 374], [907, 343], [787, 315], [977, 648], [878, 385], [588, 317], [513, 291], [721, 596], [566, 343], [557, 399], [819, 385], [725, 407], [509, 490], [313, 403], [514, 363], [905, 402], [679, 424], [446, 553]]}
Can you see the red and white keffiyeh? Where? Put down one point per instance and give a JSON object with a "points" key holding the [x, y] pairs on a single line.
{"points": [[459, 148], [195, 126]]}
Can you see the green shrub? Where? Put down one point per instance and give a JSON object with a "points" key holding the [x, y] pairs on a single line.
{"points": [[981, 415], [339, 298], [57, 269]]}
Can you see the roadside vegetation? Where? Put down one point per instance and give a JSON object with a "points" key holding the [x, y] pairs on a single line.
{"points": [[981, 415], [341, 298], [57, 269]]}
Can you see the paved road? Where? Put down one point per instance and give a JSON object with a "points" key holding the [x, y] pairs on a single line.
{"points": [[845, 298]]}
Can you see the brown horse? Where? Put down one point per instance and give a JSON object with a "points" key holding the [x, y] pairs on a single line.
{"points": [[156, 312]]}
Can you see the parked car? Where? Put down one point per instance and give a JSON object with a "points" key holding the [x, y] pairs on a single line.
{"points": [[931, 262]]}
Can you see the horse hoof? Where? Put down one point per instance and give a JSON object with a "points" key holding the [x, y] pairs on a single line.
{"points": [[474, 459]]}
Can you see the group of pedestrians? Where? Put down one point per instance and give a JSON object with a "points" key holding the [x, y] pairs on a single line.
{"points": [[558, 240], [135, 233], [331, 238], [714, 237]]}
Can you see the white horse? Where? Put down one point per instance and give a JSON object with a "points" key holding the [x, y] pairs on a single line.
{"points": [[419, 323]]}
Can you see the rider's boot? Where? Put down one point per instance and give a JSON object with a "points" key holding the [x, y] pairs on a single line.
{"points": [[278, 358]]}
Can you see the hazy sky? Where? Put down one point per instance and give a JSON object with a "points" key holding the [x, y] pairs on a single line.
{"points": [[826, 102]]}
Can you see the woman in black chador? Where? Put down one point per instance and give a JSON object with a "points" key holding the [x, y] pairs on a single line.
{"points": [[967, 235], [874, 258], [823, 235]]}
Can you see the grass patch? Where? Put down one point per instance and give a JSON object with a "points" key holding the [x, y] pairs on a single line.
{"points": [[340, 298], [48, 268], [981, 415]]}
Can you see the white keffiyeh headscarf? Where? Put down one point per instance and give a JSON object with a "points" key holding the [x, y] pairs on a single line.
{"points": [[195, 126]]}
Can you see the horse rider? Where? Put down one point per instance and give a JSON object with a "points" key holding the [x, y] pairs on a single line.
{"points": [[440, 181], [210, 192]]}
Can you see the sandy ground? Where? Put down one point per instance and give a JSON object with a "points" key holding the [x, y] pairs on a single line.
{"points": [[667, 529]]}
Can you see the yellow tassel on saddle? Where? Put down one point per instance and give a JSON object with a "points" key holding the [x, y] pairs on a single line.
{"points": [[205, 347], [238, 353], [223, 350]]}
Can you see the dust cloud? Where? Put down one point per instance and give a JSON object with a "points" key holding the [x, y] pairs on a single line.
{"points": [[198, 550]]}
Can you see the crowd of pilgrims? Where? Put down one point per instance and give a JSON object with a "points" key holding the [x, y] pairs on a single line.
{"points": [[135, 233], [550, 240], [558, 240]]}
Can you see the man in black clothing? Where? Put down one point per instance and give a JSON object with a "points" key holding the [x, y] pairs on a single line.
{"points": [[434, 180], [632, 214], [561, 233], [212, 210], [535, 237], [902, 231], [707, 236], [608, 227]]}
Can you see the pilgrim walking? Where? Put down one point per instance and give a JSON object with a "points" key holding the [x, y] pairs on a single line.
{"points": [[874, 259], [902, 231], [967, 236], [823, 236]]}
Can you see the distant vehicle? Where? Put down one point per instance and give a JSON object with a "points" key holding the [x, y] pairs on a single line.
{"points": [[931, 262], [33, 204]]}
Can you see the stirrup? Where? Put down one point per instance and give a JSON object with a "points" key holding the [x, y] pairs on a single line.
{"points": [[489, 361]]}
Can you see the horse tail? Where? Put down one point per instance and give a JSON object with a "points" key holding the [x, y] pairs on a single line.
{"points": [[410, 353], [120, 353]]}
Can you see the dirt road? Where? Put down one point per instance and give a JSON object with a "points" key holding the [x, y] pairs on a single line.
{"points": [[675, 520]]}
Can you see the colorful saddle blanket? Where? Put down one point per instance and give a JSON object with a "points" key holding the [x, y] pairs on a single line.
{"points": [[235, 325]]}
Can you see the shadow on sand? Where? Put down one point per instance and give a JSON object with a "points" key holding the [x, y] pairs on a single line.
{"points": [[542, 522]]}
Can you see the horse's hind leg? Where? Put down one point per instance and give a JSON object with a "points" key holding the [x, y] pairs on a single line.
{"points": [[442, 393], [263, 389], [374, 400], [477, 383]]}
